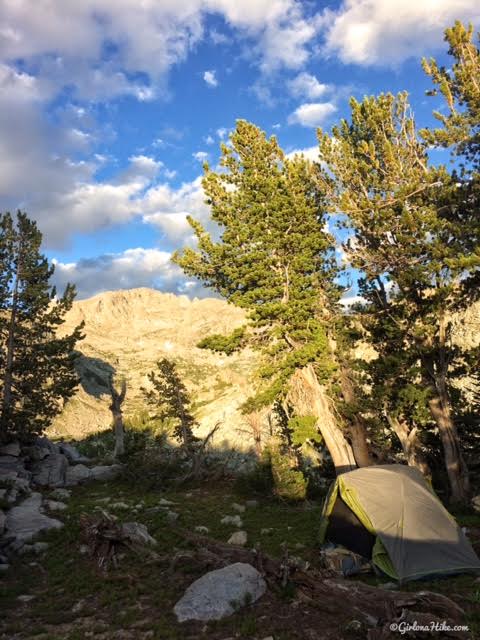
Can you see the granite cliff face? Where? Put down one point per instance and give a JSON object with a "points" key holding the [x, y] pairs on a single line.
{"points": [[128, 331]]}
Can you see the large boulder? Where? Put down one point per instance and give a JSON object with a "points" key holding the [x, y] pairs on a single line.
{"points": [[50, 472], [220, 593], [10, 449], [72, 453], [25, 521], [77, 474], [106, 472]]}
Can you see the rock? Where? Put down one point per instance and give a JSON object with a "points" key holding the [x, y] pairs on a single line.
{"points": [[11, 449], [390, 586], [106, 472], [45, 443], [266, 531], [165, 503], [83, 549], [11, 465], [239, 538], [35, 452], [50, 472], [54, 505], [138, 533], [120, 505], [172, 516], [77, 474], [220, 593], [61, 494], [252, 504], [235, 520], [72, 454], [26, 521], [476, 503], [4, 567], [26, 598], [39, 547], [238, 507], [78, 606], [3, 518], [201, 529]]}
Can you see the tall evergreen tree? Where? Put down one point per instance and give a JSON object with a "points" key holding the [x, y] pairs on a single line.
{"points": [[36, 364], [169, 396], [275, 259], [413, 249]]}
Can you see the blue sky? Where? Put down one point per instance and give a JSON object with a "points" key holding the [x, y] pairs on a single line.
{"points": [[108, 108]]}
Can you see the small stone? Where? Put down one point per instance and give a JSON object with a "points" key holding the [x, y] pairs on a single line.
{"points": [[202, 529], [238, 507], [165, 503], [235, 520], [83, 549], [39, 547], [476, 503], [137, 532], [54, 505], [251, 504], [61, 494], [119, 505], [266, 531], [172, 516], [78, 606], [238, 538], [390, 586], [299, 545], [26, 598]]}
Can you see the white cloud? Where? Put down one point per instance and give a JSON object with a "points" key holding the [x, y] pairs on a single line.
{"points": [[222, 132], [133, 268], [306, 86], [201, 156], [209, 140], [312, 114], [386, 32], [211, 78], [311, 153]]}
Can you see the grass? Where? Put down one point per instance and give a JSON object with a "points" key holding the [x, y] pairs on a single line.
{"points": [[74, 600]]}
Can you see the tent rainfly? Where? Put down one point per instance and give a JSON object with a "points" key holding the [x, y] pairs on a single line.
{"points": [[389, 514]]}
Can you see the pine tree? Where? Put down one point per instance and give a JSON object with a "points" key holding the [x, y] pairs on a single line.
{"points": [[171, 399], [275, 259], [413, 249], [37, 371]]}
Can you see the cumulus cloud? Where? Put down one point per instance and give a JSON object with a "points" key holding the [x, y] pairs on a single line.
{"points": [[211, 78], [133, 268], [386, 32], [312, 114], [201, 156], [304, 85], [311, 153]]}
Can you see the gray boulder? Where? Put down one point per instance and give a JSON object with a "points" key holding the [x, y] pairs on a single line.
{"points": [[12, 464], [220, 593], [11, 449], [238, 538], [50, 472], [54, 505], [72, 454], [137, 533], [235, 520], [26, 520], [77, 474], [61, 494], [107, 472]]}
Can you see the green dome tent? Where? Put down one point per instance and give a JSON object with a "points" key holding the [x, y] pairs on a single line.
{"points": [[389, 514]]}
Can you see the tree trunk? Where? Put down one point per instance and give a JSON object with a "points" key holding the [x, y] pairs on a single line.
{"points": [[409, 440], [456, 468], [308, 397], [358, 431], [8, 376], [116, 409]]}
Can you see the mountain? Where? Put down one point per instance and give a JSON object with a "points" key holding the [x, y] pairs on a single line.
{"points": [[128, 331]]}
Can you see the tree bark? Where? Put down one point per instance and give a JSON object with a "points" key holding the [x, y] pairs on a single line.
{"points": [[116, 409], [309, 397], [8, 376], [357, 428], [455, 464], [409, 440]]}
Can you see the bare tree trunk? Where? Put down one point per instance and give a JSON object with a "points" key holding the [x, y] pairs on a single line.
{"points": [[116, 409], [409, 440], [309, 397], [358, 431], [456, 467]]}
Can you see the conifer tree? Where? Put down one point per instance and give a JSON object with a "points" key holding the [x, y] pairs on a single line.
{"points": [[275, 259], [171, 399], [413, 250], [36, 364]]}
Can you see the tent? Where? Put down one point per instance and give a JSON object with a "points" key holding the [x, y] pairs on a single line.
{"points": [[389, 514]]}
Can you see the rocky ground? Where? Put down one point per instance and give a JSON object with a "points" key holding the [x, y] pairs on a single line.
{"points": [[67, 589]]}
